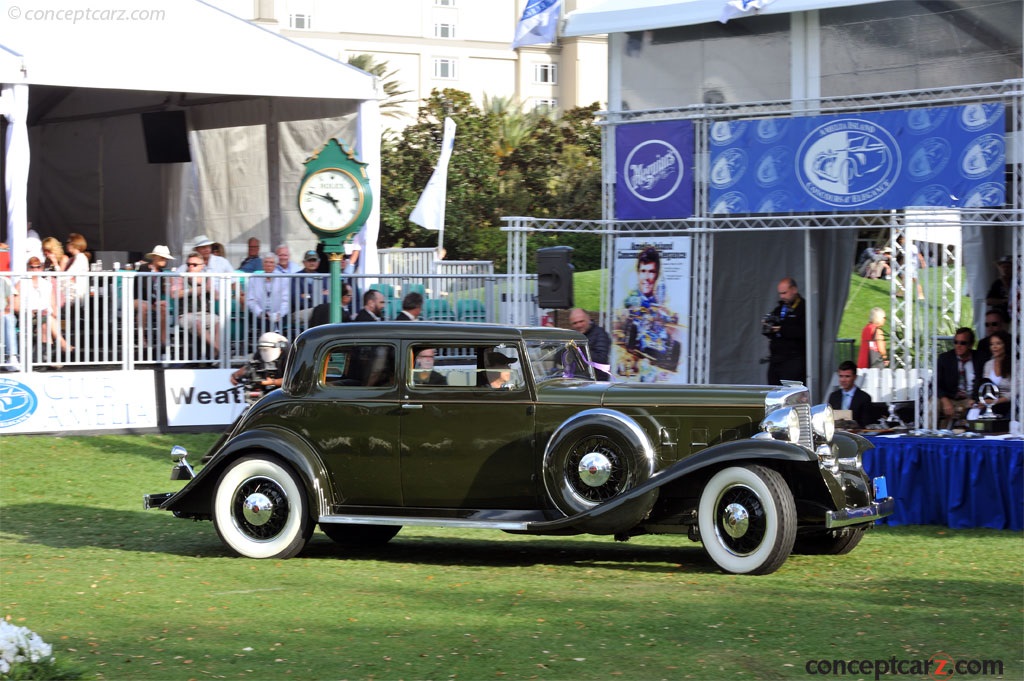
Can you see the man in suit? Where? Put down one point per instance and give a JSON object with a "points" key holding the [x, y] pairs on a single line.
{"points": [[373, 306], [412, 305], [849, 396], [956, 374]]}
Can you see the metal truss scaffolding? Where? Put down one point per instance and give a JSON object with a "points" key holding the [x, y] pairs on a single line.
{"points": [[916, 329]]}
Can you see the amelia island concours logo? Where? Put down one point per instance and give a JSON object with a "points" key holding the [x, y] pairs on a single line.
{"points": [[848, 162], [17, 402], [653, 170]]}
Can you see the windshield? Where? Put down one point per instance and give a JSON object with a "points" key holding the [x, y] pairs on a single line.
{"points": [[550, 360]]}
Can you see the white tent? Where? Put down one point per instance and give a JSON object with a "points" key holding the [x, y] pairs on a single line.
{"points": [[256, 104]]}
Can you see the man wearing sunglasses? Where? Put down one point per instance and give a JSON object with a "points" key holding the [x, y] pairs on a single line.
{"points": [[956, 372]]}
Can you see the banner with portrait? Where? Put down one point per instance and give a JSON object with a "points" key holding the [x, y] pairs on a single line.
{"points": [[650, 321], [952, 157]]}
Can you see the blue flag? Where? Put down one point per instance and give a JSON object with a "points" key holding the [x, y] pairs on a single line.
{"points": [[539, 23]]}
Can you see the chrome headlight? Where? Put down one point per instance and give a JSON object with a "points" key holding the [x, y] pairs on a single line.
{"points": [[782, 424], [823, 422]]}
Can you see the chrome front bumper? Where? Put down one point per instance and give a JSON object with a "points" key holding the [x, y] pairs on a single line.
{"points": [[859, 516], [155, 500]]}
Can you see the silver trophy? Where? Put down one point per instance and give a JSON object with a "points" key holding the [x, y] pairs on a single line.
{"points": [[988, 395]]}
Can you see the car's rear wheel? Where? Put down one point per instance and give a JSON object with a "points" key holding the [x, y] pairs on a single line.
{"points": [[747, 519], [829, 542], [360, 536], [260, 509]]}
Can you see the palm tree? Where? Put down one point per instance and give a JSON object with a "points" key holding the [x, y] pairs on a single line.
{"points": [[514, 125], [391, 106]]}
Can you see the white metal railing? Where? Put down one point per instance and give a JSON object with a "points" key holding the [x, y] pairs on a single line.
{"points": [[123, 320]]}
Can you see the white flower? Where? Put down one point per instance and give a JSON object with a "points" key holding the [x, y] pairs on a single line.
{"points": [[19, 645]]}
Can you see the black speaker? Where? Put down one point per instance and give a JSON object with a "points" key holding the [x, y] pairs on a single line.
{"points": [[166, 137], [554, 277]]}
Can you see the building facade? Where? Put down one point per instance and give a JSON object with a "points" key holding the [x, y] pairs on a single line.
{"points": [[438, 44]]}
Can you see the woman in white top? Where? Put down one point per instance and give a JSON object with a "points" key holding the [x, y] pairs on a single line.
{"points": [[998, 370], [38, 295], [78, 263]]}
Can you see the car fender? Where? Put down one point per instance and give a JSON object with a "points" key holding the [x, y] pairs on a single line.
{"points": [[195, 498], [733, 452]]}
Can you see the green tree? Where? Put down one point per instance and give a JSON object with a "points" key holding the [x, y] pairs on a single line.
{"points": [[505, 162]]}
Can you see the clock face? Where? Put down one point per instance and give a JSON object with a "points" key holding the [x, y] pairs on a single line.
{"points": [[330, 199]]}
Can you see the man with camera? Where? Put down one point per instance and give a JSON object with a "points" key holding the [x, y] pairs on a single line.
{"points": [[787, 335]]}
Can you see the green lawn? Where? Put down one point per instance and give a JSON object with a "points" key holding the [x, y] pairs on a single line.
{"points": [[124, 593]]}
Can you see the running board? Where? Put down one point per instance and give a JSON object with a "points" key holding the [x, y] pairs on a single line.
{"points": [[492, 520]]}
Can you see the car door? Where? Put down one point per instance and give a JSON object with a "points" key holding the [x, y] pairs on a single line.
{"points": [[464, 443], [354, 422]]}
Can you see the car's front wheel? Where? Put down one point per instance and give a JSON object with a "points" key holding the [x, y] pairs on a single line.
{"points": [[260, 509], [747, 519]]}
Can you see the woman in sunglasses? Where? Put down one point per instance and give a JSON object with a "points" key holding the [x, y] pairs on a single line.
{"points": [[38, 295]]}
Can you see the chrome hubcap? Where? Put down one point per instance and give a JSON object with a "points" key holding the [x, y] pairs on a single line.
{"points": [[257, 509], [735, 520], [595, 469]]}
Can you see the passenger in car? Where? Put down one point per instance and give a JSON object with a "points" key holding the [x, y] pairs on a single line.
{"points": [[499, 371], [424, 373]]}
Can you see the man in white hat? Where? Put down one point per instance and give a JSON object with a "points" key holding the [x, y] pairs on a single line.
{"points": [[151, 301], [214, 263]]}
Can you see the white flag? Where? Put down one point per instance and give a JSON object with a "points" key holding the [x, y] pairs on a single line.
{"points": [[539, 23], [429, 210], [739, 8]]}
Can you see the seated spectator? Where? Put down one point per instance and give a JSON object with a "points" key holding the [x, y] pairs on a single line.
{"points": [[322, 312], [412, 306], [307, 290], [38, 295], [424, 373], [996, 320], [197, 295], [956, 374], [212, 264], [55, 259], [284, 260], [849, 396], [76, 288], [151, 295], [268, 298], [252, 262], [11, 304]]}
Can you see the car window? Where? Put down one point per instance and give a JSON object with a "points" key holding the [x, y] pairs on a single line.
{"points": [[474, 367], [558, 359], [360, 365]]}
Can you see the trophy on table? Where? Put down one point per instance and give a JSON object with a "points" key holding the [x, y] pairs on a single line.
{"points": [[988, 395]]}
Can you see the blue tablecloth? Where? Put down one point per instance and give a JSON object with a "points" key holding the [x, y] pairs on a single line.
{"points": [[951, 482]]}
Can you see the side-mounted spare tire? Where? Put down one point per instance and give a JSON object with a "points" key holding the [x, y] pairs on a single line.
{"points": [[594, 457]]}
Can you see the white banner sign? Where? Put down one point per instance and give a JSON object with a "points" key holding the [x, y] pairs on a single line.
{"points": [[201, 397], [77, 401]]}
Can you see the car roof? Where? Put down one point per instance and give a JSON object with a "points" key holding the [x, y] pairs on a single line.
{"points": [[452, 332]]}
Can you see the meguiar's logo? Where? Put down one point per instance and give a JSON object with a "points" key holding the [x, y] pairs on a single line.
{"points": [[17, 402], [848, 162], [653, 170]]}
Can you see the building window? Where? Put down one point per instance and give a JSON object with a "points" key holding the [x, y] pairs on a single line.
{"points": [[545, 73], [304, 21], [444, 3], [544, 104], [444, 30], [444, 68]]}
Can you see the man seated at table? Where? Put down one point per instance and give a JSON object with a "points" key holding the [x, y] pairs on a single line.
{"points": [[956, 374], [849, 396]]}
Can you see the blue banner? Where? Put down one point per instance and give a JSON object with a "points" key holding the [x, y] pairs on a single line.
{"points": [[653, 174], [948, 156]]}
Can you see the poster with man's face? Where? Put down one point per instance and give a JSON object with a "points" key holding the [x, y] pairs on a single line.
{"points": [[650, 324]]}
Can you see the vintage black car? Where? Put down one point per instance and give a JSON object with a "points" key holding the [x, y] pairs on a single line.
{"points": [[464, 425]]}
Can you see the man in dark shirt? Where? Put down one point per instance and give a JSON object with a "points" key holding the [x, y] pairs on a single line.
{"points": [[597, 339], [373, 306], [787, 337], [412, 305], [956, 374]]}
